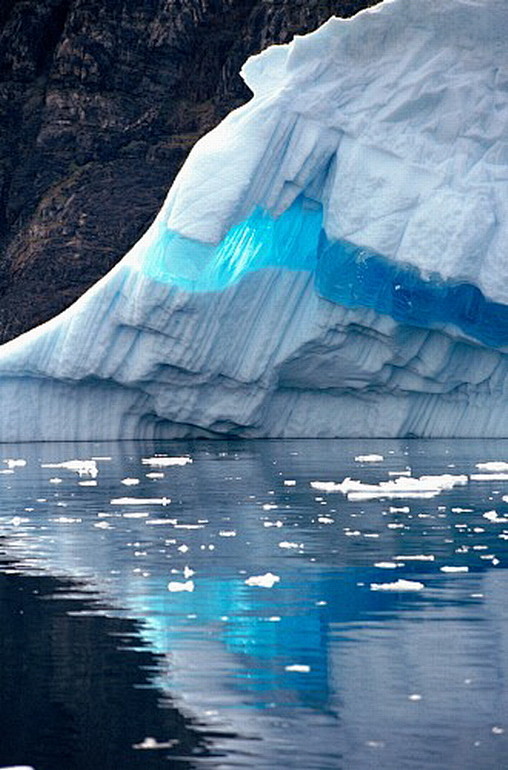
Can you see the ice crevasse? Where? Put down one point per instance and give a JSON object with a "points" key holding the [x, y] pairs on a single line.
{"points": [[331, 260]]}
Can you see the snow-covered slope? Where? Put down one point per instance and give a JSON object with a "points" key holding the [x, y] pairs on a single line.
{"points": [[331, 260]]}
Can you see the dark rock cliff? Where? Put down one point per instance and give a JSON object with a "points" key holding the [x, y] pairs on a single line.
{"points": [[100, 102]]}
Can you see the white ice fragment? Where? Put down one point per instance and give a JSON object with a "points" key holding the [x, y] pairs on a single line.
{"points": [[495, 518], [289, 483], [140, 501], [81, 467], [398, 585], [489, 477], [15, 463], [175, 586], [369, 458], [227, 533], [325, 520], [496, 730], [183, 548], [277, 523], [386, 564], [287, 544], [270, 506], [414, 697], [399, 509], [154, 475], [496, 465], [268, 580], [423, 487], [88, 483], [166, 462], [55, 480], [451, 568], [130, 482], [416, 557], [187, 572], [462, 510], [151, 743], [297, 668]]}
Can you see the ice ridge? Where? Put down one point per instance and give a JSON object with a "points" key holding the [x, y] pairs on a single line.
{"points": [[331, 260]]}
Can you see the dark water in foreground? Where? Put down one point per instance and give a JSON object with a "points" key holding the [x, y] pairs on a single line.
{"points": [[225, 613]]}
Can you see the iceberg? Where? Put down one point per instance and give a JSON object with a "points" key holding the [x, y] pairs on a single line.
{"points": [[330, 261]]}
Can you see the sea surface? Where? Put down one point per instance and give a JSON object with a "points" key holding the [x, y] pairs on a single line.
{"points": [[254, 604]]}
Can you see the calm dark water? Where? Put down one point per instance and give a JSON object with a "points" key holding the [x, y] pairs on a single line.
{"points": [[225, 610]]}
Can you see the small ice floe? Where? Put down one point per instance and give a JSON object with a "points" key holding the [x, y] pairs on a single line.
{"points": [[497, 730], [17, 767], [398, 585], [297, 668], [155, 475], [66, 520], [130, 482], [13, 462], [369, 458], [325, 520], [461, 510], [166, 462], [416, 557], [81, 467], [386, 564], [55, 480], [176, 586], [404, 486], [88, 483], [399, 509], [268, 580], [489, 477], [287, 544], [277, 523], [495, 465], [452, 568], [227, 533], [270, 506], [152, 743], [415, 697], [289, 483], [140, 501], [494, 517]]}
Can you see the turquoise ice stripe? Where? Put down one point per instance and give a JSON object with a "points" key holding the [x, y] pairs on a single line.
{"points": [[345, 273], [262, 240], [357, 277]]}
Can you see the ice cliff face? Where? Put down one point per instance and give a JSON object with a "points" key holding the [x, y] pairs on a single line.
{"points": [[329, 262]]}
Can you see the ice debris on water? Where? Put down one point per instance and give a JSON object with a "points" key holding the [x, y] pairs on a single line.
{"points": [[81, 467], [398, 585], [268, 580], [373, 458], [298, 668], [175, 586], [166, 462], [403, 486]]}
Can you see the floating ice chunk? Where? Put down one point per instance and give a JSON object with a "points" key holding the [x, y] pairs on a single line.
{"points": [[398, 585], [399, 509], [55, 480], [289, 483], [386, 564], [176, 586], [140, 501], [452, 568], [495, 465], [325, 520], [270, 506], [268, 580], [81, 467], [166, 462], [88, 483], [369, 458], [151, 743], [287, 544], [130, 482], [416, 557], [277, 523], [489, 477], [15, 463], [423, 487], [415, 696], [297, 668], [227, 533], [494, 517]]}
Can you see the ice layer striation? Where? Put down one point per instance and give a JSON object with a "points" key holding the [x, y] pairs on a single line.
{"points": [[330, 261]]}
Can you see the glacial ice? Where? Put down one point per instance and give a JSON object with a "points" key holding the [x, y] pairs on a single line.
{"points": [[330, 261]]}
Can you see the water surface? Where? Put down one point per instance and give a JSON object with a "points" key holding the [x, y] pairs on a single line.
{"points": [[223, 609]]}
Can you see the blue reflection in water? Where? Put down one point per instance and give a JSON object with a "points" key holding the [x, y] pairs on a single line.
{"points": [[322, 670]]}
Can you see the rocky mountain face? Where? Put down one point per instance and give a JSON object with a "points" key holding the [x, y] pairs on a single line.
{"points": [[100, 103]]}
